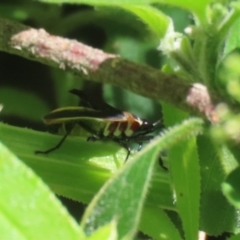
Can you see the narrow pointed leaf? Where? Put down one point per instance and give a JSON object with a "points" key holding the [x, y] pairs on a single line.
{"points": [[122, 197], [186, 179], [87, 165], [217, 215]]}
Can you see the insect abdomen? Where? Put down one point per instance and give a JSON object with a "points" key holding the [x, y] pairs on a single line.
{"points": [[122, 128]]}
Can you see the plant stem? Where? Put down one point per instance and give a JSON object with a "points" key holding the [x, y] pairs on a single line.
{"points": [[96, 65]]}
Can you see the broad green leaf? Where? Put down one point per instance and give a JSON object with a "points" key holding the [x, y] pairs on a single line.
{"points": [[156, 224], [122, 196], [87, 165], [82, 167], [28, 210], [217, 215], [86, 169], [186, 181]]}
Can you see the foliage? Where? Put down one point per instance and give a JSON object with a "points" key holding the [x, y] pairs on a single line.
{"points": [[200, 190]]}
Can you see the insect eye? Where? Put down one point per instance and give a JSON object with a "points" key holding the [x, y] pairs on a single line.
{"points": [[146, 125]]}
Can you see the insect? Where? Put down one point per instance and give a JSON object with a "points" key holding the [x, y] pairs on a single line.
{"points": [[102, 122]]}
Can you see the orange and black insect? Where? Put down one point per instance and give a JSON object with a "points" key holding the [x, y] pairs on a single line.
{"points": [[101, 123]]}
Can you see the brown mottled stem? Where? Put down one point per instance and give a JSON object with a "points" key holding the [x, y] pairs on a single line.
{"points": [[96, 65]]}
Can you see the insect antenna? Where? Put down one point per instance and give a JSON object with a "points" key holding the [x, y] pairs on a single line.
{"points": [[158, 125]]}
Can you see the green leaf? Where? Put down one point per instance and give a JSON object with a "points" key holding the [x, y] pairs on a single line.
{"points": [[28, 210], [233, 38], [199, 8], [186, 180], [108, 232], [155, 20], [171, 119], [229, 29], [217, 215], [122, 197], [86, 169], [231, 188], [87, 164], [196, 7], [156, 224]]}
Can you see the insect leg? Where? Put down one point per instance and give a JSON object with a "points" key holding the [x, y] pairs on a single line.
{"points": [[139, 146], [124, 145], [94, 136], [59, 143], [160, 162], [139, 139]]}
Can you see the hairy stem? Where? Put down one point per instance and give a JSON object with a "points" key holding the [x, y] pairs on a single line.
{"points": [[96, 65]]}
